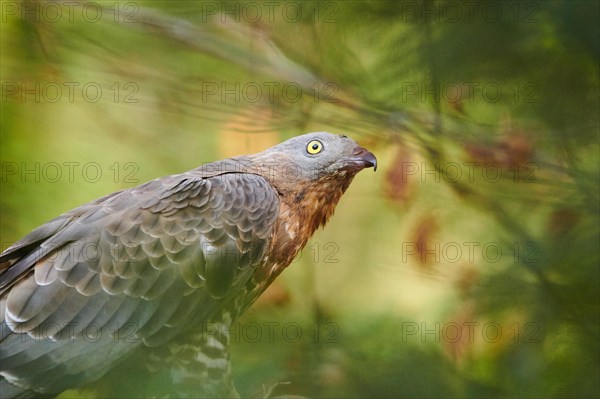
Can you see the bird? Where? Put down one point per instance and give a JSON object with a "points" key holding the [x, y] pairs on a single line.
{"points": [[176, 259]]}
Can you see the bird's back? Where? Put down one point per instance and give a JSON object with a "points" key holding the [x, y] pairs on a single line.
{"points": [[87, 289]]}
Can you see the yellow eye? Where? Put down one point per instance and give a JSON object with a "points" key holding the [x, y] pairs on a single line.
{"points": [[314, 147]]}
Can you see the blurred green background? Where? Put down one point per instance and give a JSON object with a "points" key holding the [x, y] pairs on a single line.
{"points": [[467, 266]]}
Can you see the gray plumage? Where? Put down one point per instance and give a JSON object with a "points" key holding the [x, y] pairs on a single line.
{"points": [[139, 267]]}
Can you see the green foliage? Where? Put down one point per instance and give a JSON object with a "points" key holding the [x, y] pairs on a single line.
{"points": [[427, 92]]}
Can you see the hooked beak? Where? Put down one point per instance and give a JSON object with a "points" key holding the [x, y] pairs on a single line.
{"points": [[364, 157]]}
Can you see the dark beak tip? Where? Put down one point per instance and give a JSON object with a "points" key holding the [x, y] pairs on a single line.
{"points": [[367, 157], [374, 162]]}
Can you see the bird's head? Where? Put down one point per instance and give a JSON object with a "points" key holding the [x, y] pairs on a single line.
{"points": [[314, 157], [311, 172]]}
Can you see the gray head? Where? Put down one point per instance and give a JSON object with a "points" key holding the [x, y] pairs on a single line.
{"points": [[316, 155]]}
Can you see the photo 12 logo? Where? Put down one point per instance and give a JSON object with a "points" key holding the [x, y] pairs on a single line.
{"points": [[469, 172], [472, 11], [288, 332], [51, 12], [68, 171], [53, 92], [469, 331], [270, 11], [470, 92], [253, 92], [469, 252]]}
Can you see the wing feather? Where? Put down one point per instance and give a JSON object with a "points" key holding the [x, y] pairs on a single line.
{"points": [[137, 264]]}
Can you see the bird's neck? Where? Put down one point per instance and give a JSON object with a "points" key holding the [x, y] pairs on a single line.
{"points": [[305, 207]]}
